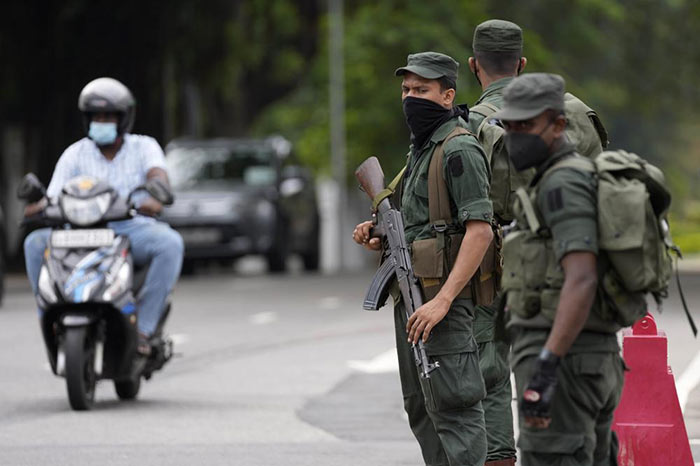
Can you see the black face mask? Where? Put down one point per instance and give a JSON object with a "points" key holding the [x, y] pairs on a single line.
{"points": [[423, 117], [526, 150]]}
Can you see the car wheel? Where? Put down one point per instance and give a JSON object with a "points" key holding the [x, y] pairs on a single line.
{"points": [[310, 257], [2, 278], [277, 260], [2, 267]]}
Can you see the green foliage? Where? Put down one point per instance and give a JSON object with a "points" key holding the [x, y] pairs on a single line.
{"points": [[635, 67]]}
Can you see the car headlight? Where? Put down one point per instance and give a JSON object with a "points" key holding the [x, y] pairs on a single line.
{"points": [[46, 289], [264, 210], [216, 207], [83, 212]]}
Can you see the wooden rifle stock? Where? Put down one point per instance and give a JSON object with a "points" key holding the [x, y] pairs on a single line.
{"points": [[370, 176]]}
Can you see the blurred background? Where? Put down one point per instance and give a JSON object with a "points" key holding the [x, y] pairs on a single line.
{"points": [[249, 70]]}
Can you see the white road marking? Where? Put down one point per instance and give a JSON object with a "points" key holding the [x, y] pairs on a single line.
{"points": [[329, 303], [688, 380], [179, 338], [384, 363], [263, 318], [694, 441]]}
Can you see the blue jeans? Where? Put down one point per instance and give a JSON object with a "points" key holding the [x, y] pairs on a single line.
{"points": [[151, 242]]}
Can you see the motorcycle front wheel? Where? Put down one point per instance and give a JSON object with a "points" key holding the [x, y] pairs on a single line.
{"points": [[127, 389], [80, 368]]}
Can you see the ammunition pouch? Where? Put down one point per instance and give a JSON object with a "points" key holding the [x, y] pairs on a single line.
{"points": [[434, 258]]}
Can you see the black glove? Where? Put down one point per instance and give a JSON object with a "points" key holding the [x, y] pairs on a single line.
{"points": [[538, 394]]}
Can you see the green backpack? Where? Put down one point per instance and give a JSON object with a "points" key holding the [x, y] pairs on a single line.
{"points": [[633, 232], [584, 129]]}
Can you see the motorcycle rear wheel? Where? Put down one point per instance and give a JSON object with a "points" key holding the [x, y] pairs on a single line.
{"points": [[80, 368]]}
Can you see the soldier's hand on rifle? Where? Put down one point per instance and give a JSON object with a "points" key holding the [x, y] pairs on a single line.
{"points": [[537, 398], [362, 237], [425, 318]]}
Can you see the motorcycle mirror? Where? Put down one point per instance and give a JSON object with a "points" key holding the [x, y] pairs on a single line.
{"points": [[159, 191], [31, 189]]}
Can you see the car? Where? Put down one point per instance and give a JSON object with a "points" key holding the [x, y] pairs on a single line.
{"points": [[237, 197]]}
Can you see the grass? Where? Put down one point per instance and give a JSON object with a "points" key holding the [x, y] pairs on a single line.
{"points": [[686, 235]]}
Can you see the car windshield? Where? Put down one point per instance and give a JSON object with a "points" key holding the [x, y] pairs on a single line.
{"points": [[219, 167]]}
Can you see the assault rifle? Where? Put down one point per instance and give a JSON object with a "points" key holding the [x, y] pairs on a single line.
{"points": [[397, 263]]}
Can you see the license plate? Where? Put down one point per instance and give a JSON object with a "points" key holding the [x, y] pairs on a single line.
{"points": [[201, 235], [96, 238]]}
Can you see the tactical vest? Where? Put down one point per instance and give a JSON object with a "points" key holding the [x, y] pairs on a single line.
{"points": [[433, 258], [584, 130]]}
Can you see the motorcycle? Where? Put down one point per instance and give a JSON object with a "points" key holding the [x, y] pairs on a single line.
{"points": [[86, 289]]}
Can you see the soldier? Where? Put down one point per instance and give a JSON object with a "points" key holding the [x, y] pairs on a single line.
{"points": [[497, 59], [566, 360], [445, 410]]}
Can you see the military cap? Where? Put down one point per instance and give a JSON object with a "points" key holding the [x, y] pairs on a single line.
{"points": [[530, 94], [430, 65], [497, 35]]}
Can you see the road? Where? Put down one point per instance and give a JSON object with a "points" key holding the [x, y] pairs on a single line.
{"points": [[272, 370]]}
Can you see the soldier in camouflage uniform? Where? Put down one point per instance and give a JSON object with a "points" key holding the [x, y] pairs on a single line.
{"points": [[565, 358], [444, 411]]}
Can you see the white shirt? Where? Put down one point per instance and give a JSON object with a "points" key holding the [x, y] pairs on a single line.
{"points": [[124, 172]]}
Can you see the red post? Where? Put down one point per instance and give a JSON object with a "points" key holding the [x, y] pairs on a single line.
{"points": [[648, 420]]}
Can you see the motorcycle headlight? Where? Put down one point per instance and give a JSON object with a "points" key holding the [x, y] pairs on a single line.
{"points": [[46, 287], [83, 212]]}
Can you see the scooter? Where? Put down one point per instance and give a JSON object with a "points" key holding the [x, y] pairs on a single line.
{"points": [[86, 289]]}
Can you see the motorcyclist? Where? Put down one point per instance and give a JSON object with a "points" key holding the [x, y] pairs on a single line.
{"points": [[110, 152]]}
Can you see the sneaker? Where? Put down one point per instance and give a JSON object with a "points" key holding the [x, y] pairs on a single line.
{"points": [[143, 347]]}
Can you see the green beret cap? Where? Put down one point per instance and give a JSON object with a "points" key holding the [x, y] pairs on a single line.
{"points": [[530, 94], [497, 35], [430, 65]]}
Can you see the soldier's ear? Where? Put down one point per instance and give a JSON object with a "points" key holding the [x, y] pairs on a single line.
{"points": [[560, 123], [522, 63], [472, 64], [448, 97]]}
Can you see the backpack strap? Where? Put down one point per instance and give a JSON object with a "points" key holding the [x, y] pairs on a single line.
{"points": [[484, 108], [438, 196], [533, 220], [578, 162]]}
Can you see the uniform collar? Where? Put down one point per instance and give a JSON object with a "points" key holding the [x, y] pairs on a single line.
{"points": [[495, 88], [444, 130]]}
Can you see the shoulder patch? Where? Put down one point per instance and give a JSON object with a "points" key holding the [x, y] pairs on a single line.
{"points": [[555, 199], [456, 166]]}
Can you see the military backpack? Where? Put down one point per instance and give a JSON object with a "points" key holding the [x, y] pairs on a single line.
{"points": [[584, 129], [633, 234]]}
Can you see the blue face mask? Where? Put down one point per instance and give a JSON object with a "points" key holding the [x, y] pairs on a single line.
{"points": [[103, 134]]}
